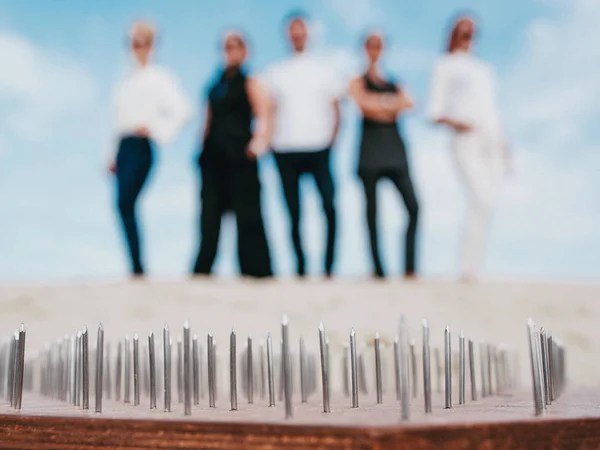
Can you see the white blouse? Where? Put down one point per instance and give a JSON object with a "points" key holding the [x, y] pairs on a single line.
{"points": [[464, 88], [150, 97]]}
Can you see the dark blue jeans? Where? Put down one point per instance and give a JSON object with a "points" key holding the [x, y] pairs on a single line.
{"points": [[134, 160]]}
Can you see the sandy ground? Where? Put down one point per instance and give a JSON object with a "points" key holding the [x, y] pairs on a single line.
{"points": [[493, 311]]}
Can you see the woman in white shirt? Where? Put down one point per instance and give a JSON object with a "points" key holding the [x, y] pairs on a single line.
{"points": [[463, 98], [150, 108]]}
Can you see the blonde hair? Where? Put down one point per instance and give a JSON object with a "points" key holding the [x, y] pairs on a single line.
{"points": [[235, 35], [143, 29]]}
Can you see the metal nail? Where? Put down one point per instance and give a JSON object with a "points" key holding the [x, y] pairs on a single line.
{"points": [[263, 375], [378, 377], [250, 374], [461, 368], [540, 367], [545, 365], [85, 379], [233, 370], [21, 367], [482, 360], [196, 369], [287, 367], [179, 370], [397, 368], [533, 352], [403, 355], [448, 366], [210, 350], [187, 370], [136, 370], [127, 377], [270, 372], [119, 371], [152, 371], [489, 354], [413, 372], [551, 371], [426, 367], [78, 368], [99, 368], [354, 368], [472, 370], [167, 367], [324, 368], [303, 371]]}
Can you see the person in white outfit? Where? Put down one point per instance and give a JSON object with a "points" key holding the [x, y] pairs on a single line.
{"points": [[463, 98], [150, 108], [305, 117]]}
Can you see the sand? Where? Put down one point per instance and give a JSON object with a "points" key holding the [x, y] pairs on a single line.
{"points": [[492, 311]]}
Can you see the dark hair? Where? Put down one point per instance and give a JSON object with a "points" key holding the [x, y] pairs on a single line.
{"points": [[296, 15], [457, 19]]}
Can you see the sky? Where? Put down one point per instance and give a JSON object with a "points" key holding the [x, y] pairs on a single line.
{"points": [[61, 58]]}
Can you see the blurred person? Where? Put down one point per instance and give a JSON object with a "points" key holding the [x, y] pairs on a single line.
{"points": [[150, 108], [228, 163], [463, 98], [305, 97], [382, 148]]}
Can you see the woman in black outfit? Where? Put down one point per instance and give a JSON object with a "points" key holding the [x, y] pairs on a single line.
{"points": [[228, 164], [382, 149]]}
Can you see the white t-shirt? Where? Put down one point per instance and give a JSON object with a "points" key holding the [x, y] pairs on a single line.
{"points": [[464, 88], [150, 97], [303, 88]]}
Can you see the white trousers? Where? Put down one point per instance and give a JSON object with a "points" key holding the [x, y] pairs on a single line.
{"points": [[481, 163]]}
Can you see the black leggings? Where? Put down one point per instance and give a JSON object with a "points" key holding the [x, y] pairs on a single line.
{"points": [[291, 166], [402, 181]]}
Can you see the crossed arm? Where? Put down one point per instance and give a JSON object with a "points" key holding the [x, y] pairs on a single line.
{"points": [[376, 106]]}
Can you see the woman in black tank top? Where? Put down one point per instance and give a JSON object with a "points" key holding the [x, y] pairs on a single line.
{"points": [[229, 168], [382, 150]]}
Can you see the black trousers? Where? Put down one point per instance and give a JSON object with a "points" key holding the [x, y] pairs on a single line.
{"points": [[134, 160], [401, 179], [291, 166], [236, 187]]}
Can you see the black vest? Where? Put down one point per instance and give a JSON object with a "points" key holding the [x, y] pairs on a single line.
{"points": [[231, 119], [381, 146]]}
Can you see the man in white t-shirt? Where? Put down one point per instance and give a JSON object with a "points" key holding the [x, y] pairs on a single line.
{"points": [[305, 96]]}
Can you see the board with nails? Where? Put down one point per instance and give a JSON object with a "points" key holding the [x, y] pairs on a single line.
{"points": [[377, 387]]}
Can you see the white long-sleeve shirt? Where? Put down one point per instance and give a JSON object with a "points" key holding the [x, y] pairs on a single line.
{"points": [[464, 88], [150, 97]]}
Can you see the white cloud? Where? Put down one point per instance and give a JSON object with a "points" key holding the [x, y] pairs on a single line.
{"points": [[553, 86], [409, 59], [356, 14], [40, 88]]}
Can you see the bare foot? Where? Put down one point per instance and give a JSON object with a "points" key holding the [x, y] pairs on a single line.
{"points": [[411, 277]]}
